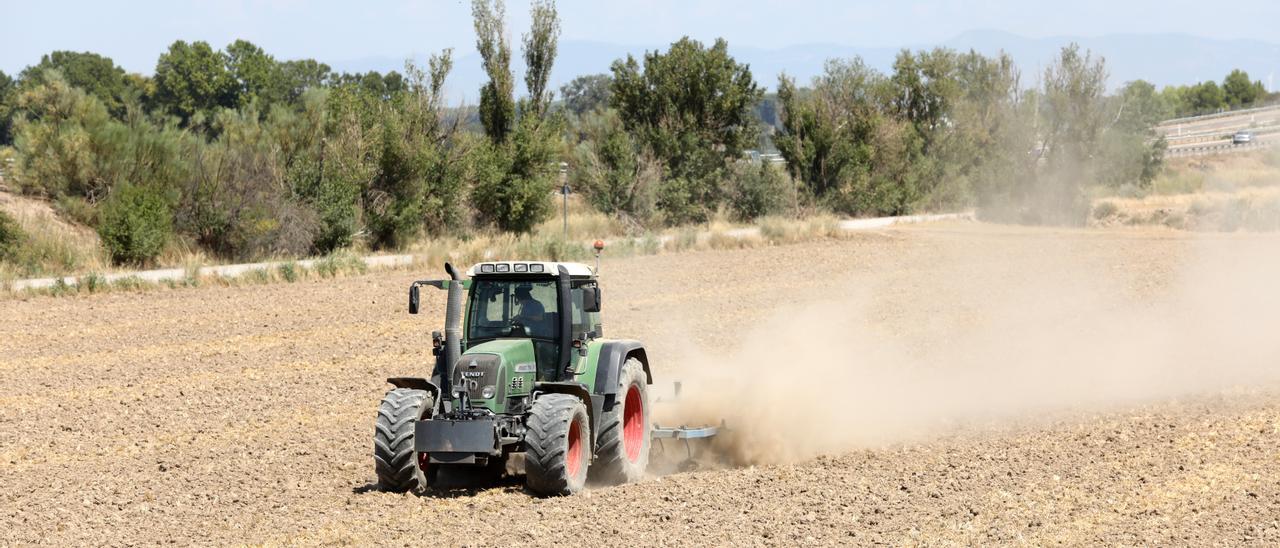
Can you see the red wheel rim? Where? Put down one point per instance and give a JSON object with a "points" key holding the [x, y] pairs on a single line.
{"points": [[633, 423], [573, 459]]}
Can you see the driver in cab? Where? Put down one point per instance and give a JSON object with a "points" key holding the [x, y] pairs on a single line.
{"points": [[532, 314]]}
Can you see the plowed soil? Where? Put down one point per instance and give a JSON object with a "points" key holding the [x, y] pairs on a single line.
{"points": [[229, 415]]}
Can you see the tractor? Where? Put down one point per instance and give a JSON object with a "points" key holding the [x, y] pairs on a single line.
{"points": [[522, 370]]}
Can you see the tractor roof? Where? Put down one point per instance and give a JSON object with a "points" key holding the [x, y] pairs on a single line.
{"points": [[507, 268]]}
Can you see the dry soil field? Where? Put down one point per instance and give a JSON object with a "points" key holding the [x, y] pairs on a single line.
{"points": [[937, 384]]}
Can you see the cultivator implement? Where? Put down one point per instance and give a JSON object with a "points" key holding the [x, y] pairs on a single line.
{"points": [[693, 440]]}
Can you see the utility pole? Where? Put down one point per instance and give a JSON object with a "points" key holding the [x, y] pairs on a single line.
{"points": [[564, 191]]}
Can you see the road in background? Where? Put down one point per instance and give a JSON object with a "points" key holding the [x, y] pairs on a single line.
{"points": [[1211, 134]]}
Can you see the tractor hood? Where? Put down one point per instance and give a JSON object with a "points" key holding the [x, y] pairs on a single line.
{"points": [[493, 371]]}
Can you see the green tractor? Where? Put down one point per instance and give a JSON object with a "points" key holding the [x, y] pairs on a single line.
{"points": [[523, 368]]}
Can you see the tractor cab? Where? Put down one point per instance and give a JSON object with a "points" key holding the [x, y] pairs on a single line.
{"points": [[516, 301]]}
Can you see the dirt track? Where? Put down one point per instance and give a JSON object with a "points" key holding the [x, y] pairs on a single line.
{"points": [[243, 415]]}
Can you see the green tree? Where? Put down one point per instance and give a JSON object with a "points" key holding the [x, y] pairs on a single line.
{"points": [[692, 107], [611, 169], [982, 141], [497, 104], [539, 49], [8, 104], [96, 75], [1238, 91], [1140, 107], [514, 169], [1204, 98], [192, 79], [257, 75], [260, 77], [924, 89], [344, 162], [1073, 105], [418, 178], [586, 93], [841, 143], [372, 83], [301, 75]]}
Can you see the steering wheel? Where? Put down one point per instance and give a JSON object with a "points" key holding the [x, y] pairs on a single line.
{"points": [[517, 329]]}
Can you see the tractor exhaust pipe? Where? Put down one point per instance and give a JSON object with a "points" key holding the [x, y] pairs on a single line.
{"points": [[452, 330]]}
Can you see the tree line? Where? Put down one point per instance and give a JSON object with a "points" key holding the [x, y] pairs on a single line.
{"points": [[1236, 91], [245, 155]]}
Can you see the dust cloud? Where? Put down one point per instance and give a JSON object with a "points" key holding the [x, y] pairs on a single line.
{"points": [[1006, 338]]}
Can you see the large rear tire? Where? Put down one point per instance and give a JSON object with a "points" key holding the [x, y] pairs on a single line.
{"points": [[557, 445], [622, 445], [393, 455]]}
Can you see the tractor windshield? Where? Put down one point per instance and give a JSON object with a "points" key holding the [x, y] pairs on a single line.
{"points": [[513, 308]]}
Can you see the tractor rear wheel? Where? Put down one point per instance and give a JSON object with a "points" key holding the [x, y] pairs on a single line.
{"points": [[622, 445], [557, 445], [393, 454]]}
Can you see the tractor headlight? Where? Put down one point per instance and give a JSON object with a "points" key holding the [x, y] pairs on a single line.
{"points": [[487, 392]]}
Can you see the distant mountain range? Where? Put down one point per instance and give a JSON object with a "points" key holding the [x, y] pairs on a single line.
{"points": [[1163, 59]]}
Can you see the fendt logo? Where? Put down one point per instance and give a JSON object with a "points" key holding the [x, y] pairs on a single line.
{"points": [[473, 374]]}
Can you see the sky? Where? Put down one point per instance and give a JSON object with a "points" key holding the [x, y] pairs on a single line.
{"points": [[134, 33]]}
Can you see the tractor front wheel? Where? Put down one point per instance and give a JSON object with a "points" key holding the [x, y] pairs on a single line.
{"points": [[393, 455], [622, 446], [557, 445]]}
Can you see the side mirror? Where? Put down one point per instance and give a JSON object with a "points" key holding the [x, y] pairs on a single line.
{"points": [[413, 299], [591, 299]]}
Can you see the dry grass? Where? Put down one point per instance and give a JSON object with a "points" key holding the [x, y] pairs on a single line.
{"points": [[783, 230], [1251, 209], [1212, 193], [1222, 173], [585, 223], [50, 245]]}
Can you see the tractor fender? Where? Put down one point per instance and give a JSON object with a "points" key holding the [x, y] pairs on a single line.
{"points": [[418, 383], [613, 355], [577, 390]]}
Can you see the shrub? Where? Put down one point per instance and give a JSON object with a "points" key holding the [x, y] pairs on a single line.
{"points": [[514, 180], [1102, 210], [755, 191], [235, 203], [11, 237], [68, 144], [289, 271], [608, 166], [129, 283], [92, 283], [135, 224]]}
